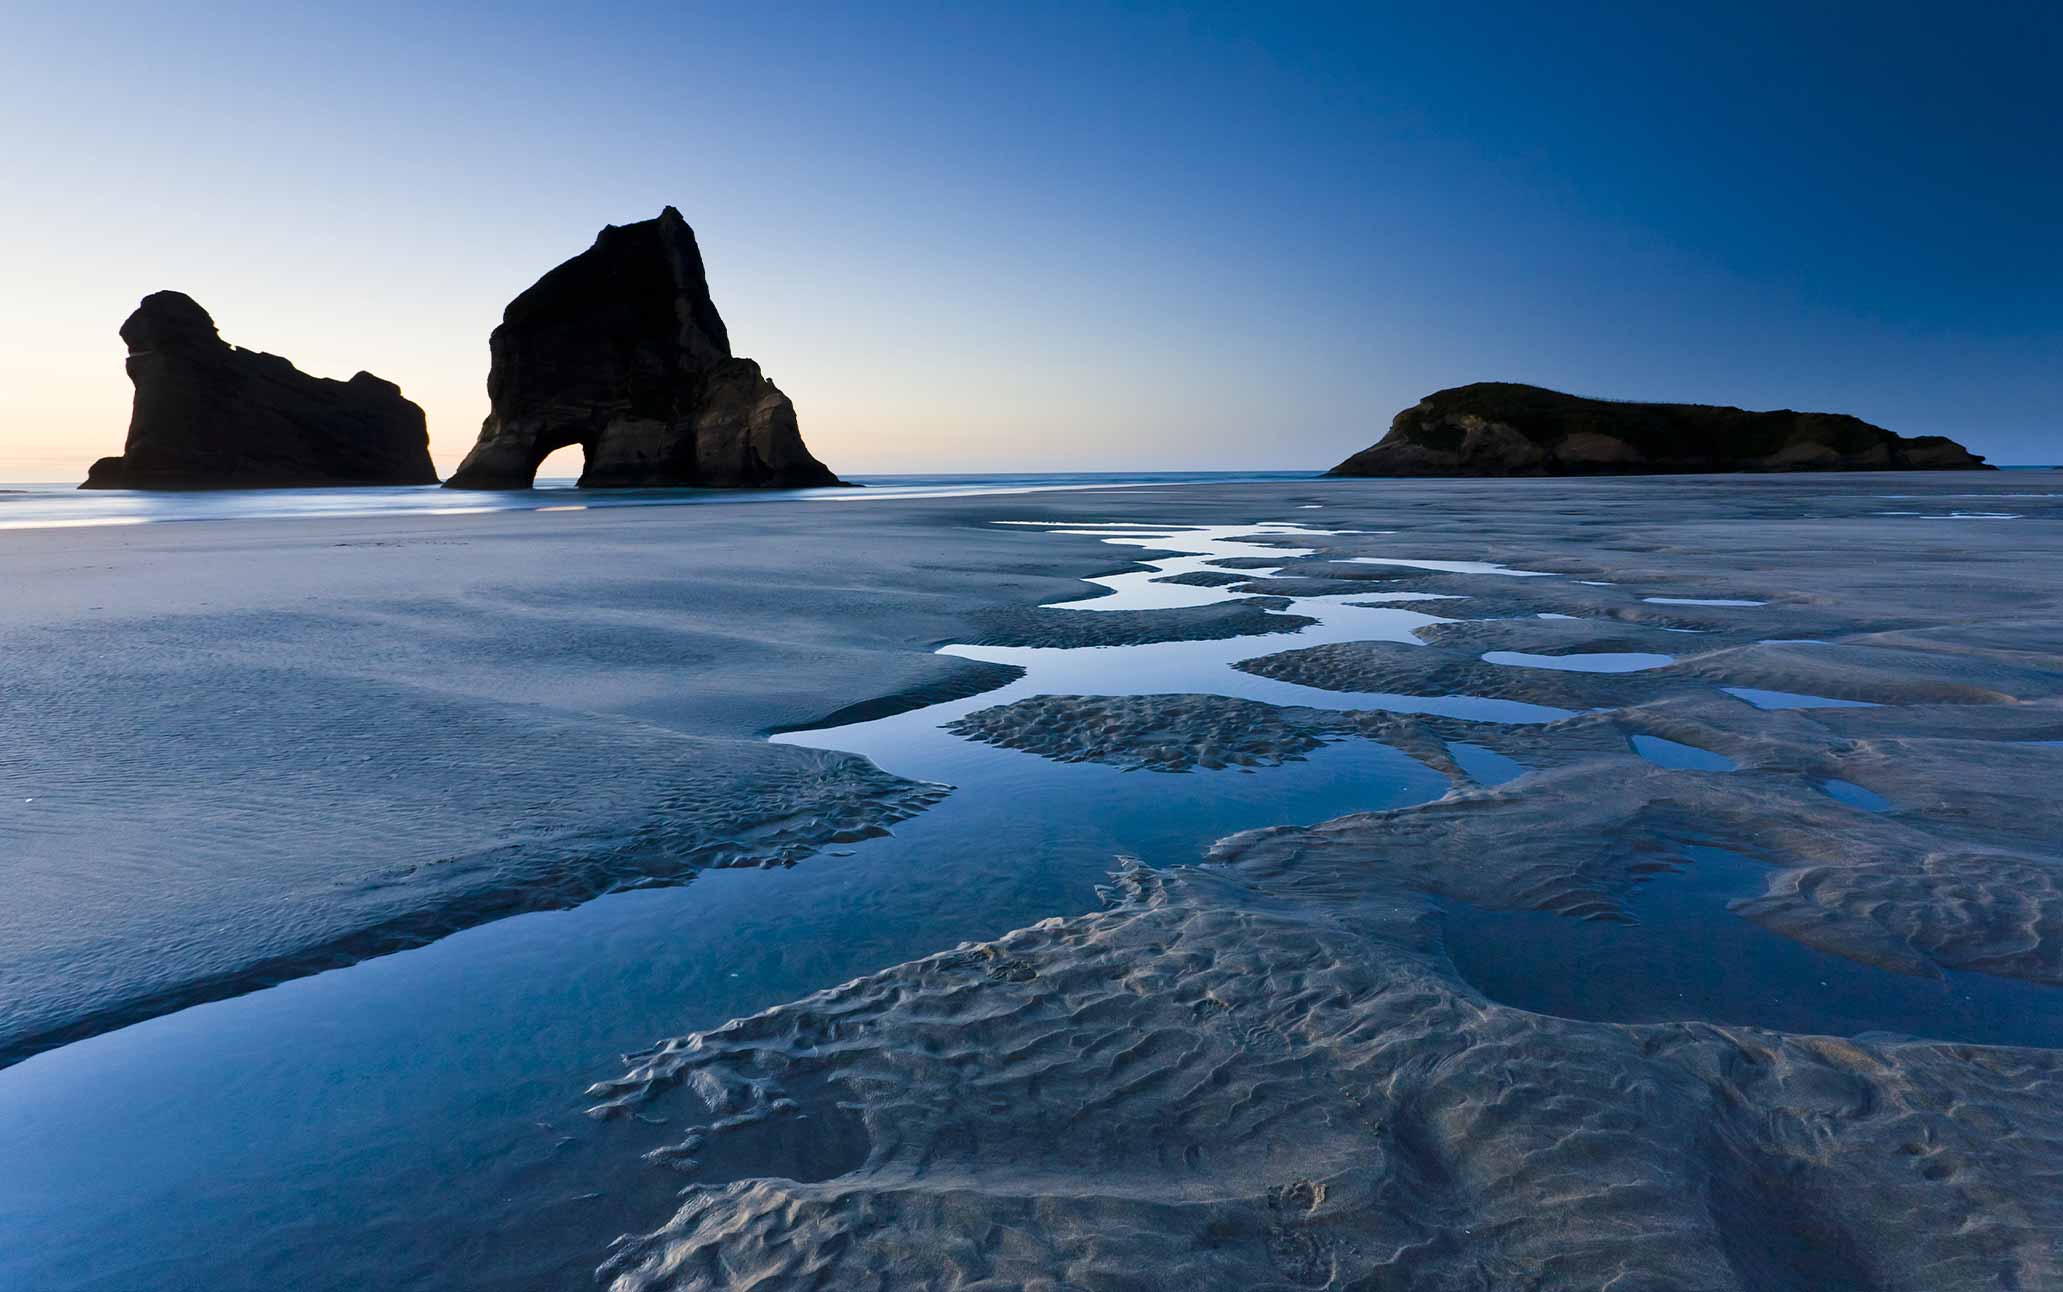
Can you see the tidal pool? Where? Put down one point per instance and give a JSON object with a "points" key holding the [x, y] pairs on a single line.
{"points": [[1453, 567], [1763, 699], [1592, 662], [1687, 957], [1485, 766], [1678, 756], [1856, 796]]}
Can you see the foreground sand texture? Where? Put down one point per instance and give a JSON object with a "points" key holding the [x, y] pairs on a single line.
{"points": [[1270, 1077], [1775, 756]]}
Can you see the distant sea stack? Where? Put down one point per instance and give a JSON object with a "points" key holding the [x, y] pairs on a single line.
{"points": [[621, 351], [1498, 428], [211, 416]]}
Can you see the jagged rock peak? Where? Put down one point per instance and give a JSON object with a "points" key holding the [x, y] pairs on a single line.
{"points": [[622, 351], [649, 263], [209, 415], [1497, 428]]}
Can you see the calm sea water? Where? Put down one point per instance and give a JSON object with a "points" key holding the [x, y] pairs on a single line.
{"points": [[53, 506]]}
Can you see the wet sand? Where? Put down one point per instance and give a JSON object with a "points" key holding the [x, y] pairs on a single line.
{"points": [[1275, 1068]]}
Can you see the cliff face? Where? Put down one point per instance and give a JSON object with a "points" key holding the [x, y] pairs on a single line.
{"points": [[1497, 428], [621, 351], [211, 416]]}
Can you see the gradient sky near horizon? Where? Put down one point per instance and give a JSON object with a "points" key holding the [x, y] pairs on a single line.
{"points": [[993, 237]]}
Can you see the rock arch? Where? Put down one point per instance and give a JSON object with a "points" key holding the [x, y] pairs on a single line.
{"points": [[621, 351]]}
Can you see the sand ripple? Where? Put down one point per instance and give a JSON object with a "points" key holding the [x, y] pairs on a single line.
{"points": [[1164, 733], [1269, 1076]]}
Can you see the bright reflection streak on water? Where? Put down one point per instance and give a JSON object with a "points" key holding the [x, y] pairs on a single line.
{"points": [[1593, 662], [1205, 667], [55, 506], [1765, 699]]}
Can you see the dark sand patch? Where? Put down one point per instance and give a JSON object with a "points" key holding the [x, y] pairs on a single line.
{"points": [[1390, 668], [1179, 733], [1305, 587], [975, 678], [1071, 629], [1204, 579], [1163, 733], [1557, 636], [1325, 567]]}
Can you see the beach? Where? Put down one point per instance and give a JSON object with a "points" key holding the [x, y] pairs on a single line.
{"points": [[1265, 882]]}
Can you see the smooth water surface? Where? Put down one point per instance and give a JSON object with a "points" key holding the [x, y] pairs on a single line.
{"points": [[1856, 796], [1582, 662], [1688, 957], [1677, 756], [1484, 766], [1763, 699], [1453, 567], [63, 506]]}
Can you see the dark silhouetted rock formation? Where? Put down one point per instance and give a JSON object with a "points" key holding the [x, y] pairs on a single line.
{"points": [[211, 416], [1497, 428], [621, 351]]}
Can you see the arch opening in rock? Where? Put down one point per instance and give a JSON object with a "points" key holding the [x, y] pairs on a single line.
{"points": [[563, 465]]}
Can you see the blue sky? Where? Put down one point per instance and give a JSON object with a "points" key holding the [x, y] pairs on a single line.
{"points": [[989, 237]]}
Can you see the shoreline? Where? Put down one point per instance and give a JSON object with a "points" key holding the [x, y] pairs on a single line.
{"points": [[52, 505]]}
